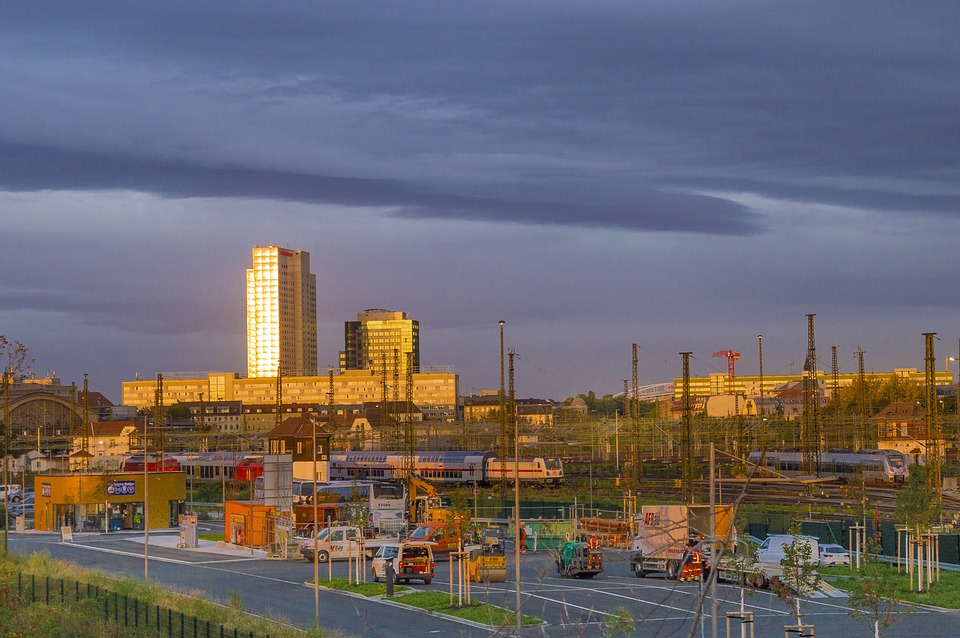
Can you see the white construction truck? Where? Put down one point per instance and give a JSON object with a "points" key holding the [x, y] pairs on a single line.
{"points": [[672, 538]]}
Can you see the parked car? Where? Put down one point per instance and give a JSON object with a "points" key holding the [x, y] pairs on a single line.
{"points": [[411, 561], [771, 550], [384, 555], [13, 491], [832, 554], [25, 506]]}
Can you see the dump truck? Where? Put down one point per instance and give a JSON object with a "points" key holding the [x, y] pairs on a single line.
{"points": [[487, 562], [578, 559], [670, 537]]}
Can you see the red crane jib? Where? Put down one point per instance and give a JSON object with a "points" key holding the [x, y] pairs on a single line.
{"points": [[731, 356]]}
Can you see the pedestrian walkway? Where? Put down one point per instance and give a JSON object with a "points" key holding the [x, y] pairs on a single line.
{"points": [[172, 541]]}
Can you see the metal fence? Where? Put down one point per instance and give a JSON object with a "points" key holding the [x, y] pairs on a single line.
{"points": [[123, 609]]}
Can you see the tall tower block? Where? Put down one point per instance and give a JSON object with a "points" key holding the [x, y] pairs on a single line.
{"points": [[281, 313]]}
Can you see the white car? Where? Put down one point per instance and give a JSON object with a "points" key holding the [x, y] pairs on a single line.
{"points": [[831, 554], [379, 564]]}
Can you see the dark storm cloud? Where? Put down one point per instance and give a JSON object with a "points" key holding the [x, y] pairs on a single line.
{"points": [[34, 168], [143, 315], [687, 96]]}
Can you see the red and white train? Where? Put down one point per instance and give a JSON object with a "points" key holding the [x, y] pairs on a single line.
{"points": [[446, 467]]}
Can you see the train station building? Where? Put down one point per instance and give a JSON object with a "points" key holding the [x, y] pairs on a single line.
{"points": [[108, 501]]}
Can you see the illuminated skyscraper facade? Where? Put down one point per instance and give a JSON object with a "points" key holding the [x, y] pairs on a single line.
{"points": [[381, 340], [281, 313]]}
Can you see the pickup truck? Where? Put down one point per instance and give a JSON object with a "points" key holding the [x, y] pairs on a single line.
{"points": [[341, 543]]}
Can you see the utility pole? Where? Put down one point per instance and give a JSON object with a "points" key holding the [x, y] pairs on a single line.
{"points": [[933, 431], [835, 395], [516, 496], [157, 424], [861, 441], [762, 412], [810, 423], [635, 412], [686, 439], [502, 453], [6, 445]]}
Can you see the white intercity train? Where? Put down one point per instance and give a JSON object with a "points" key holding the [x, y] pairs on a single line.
{"points": [[885, 467], [446, 467]]}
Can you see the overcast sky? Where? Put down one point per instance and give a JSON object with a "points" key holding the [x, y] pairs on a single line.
{"points": [[681, 175]]}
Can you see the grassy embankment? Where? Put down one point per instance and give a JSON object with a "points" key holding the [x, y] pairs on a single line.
{"points": [[945, 593], [20, 617]]}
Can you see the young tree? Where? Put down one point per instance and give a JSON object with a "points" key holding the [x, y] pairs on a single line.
{"points": [[801, 576], [874, 595], [918, 509], [15, 362]]}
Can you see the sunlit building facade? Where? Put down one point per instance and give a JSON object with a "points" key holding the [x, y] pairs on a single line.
{"points": [[435, 392], [381, 340], [281, 313]]}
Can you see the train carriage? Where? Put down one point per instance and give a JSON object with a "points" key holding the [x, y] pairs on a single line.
{"points": [[218, 466], [883, 467], [455, 468]]}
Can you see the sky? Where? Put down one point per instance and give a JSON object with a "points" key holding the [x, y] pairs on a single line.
{"points": [[683, 175]]}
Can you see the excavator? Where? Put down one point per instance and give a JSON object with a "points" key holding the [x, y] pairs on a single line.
{"points": [[425, 505]]}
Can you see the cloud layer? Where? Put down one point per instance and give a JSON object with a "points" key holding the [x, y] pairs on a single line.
{"points": [[685, 174]]}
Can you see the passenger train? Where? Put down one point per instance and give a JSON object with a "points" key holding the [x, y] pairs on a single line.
{"points": [[446, 467], [221, 466], [886, 467]]}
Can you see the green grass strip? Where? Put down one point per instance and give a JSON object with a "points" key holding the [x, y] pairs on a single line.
{"points": [[439, 602], [364, 589]]}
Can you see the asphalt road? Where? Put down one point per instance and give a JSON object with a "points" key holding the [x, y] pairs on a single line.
{"points": [[570, 607]]}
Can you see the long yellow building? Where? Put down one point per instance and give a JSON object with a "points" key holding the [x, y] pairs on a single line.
{"points": [[750, 385], [435, 393]]}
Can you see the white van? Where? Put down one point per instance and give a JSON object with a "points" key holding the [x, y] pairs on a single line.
{"points": [[771, 550]]}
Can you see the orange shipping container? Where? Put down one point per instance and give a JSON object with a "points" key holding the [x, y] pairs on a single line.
{"points": [[245, 523]]}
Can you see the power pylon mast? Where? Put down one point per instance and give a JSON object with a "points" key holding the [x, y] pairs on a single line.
{"points": [[932, 421], [398, 427], [330, 397], [762, 412], [200, 426], [384, 421], [409, 438], [835, 395], [512, 405], [686, 438], [635, 421], [279, 396], [861, 442], [157, 425], [810, 423], [85, 433]]}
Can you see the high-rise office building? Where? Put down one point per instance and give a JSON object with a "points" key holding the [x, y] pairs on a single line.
{"points": [[381, 340], [281, 313]]}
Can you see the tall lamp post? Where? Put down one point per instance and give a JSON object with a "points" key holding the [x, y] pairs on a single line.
{"points": [[516, 494]]}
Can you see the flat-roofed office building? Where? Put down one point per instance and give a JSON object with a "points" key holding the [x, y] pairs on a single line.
{"points": [[381, 340], [435, 392]]}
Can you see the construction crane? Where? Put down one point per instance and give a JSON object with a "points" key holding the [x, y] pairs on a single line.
{"points": [[731, 356]]}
